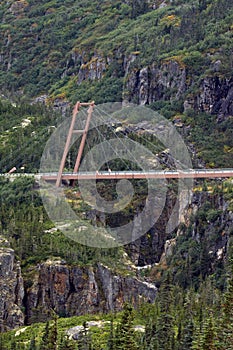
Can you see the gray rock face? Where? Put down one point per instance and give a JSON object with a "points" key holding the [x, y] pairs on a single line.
{"points": [[118, 289], [216, 230], [73, 290], [169, 80], [216, 96], [153, 83], [11, 287], [93, 69]]}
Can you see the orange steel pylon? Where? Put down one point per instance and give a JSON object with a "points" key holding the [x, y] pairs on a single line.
{"points": [[69, 136]]}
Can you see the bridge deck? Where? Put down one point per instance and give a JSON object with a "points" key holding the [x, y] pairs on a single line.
{"points": [[110, 175], [170, 174]]}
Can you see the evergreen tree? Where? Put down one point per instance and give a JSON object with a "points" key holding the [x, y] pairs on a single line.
{"points": [[125, 334], [66, 344], [3, 342], [111, 339], [150, 333], [189, 312], [32, 345], [197, 340], [165, 332], [187, 334], [138, 7], [202, 5], [226, 323], [44, 339], [49, 338], [84, 341], [178, 337], [165, 321], [52, 338], [13, 343], [209, 341]]}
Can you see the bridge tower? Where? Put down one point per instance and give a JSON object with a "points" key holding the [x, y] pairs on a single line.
{"points": [[69, 136]]}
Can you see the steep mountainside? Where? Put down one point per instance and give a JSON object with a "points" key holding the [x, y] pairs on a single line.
{"points": [[175, 57], [143, 51]]}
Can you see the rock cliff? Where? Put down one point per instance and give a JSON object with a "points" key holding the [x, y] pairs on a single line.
{"points": [[172, 80], [168, 80], [68, 290], [75, 290], [12, 291], [207, 221]]}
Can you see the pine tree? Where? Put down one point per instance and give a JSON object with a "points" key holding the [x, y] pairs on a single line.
{"points": [[84, 341], [13, 344], [138, 7], [66, 344], [187, 334], [226, 323], [125, 334], [49, 338], [165, 331], [179, 336], [209, 338], [202, 5], [52, 338], [32, 345], [3, 341], [111, 339], [44, 339], [197, 339], [188, 315], [165, 321], [198, 331], [150, 333]]}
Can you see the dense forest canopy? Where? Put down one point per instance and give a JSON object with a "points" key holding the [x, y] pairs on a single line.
{"points": [[44, 45]]}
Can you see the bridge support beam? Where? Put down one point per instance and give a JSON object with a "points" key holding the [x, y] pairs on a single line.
{"points": [[69, 136]]}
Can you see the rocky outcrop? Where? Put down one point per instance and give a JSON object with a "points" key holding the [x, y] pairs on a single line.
{"points": [[11, 289], [118, 289], [68, 290], [154, 82], [168, 80], [94, 69], [17, 8], [74, 290], [216, 96], [149, 248], [213, 224]]}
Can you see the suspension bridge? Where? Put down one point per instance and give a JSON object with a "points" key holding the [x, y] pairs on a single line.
{"points": [[76, 174]]}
